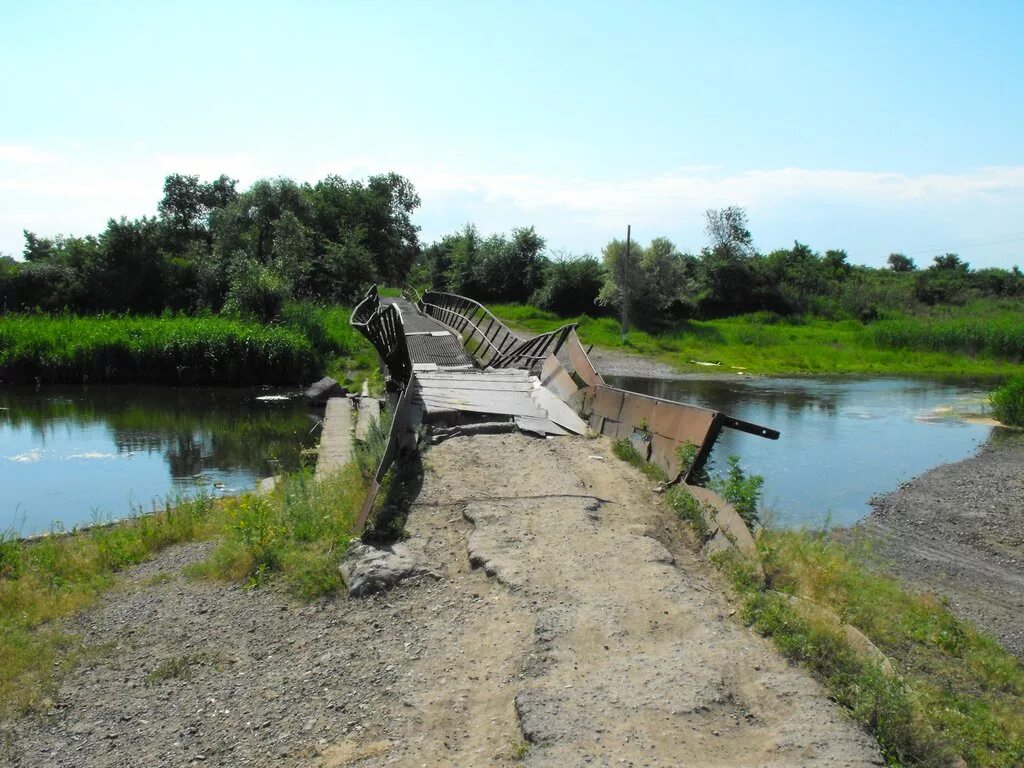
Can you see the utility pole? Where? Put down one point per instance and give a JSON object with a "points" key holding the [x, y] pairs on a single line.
{"points": [[625, 287]]}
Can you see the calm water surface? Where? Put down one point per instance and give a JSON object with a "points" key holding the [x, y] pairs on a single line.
{"points": [[70, 456], [843, 440]]}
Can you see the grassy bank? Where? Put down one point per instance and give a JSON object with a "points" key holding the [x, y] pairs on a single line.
{"points": [[762, 343], [955, 691], [167, 350], [296, 534], [940, 691], [307, 341]]}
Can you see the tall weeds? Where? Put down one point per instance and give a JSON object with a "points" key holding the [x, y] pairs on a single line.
{"points": [[166, 350]]}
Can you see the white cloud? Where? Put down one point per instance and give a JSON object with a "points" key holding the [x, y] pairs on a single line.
{"points": [[22, 155], [76, 189]]}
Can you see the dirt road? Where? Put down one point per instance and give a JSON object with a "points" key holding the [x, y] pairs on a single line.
{"points": [[571, 625]]}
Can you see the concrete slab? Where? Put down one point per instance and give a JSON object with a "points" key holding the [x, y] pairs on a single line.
{"points": [[335, 438]]}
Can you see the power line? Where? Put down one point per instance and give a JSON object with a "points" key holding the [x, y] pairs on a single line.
{"points": [[946, 249]]}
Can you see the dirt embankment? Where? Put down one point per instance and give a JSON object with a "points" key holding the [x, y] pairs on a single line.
{"points": [[571, 625], [958, 531]]}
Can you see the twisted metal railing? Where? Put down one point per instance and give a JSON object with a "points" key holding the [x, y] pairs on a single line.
{"points": [[496, 345], [382, 325]]}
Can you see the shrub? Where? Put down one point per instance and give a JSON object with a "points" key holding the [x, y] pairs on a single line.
{"points": [[571, 287], [1008, 402], [741, 490]]}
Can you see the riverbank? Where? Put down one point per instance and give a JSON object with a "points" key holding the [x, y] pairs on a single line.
{"points": [[767, 345], [511, 653], [305, 342], [957, 531]]}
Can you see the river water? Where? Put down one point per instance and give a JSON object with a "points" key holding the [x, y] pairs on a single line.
{"points": [[73, 456], [843, 440]]}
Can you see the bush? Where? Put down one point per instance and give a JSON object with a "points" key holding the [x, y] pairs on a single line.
{"points": [[1008, 402], [255, 290], [741, 490], [571, 287]]}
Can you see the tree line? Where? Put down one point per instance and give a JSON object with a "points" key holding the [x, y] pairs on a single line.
{"points": [[213, 248], [727, 277]]}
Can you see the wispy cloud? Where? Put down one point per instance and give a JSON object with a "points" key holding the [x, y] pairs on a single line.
{"points": [[708, 188], [76, 189], [18, 154]]}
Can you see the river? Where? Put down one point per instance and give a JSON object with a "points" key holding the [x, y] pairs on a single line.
{"points": [[74, 455], [843, 440]]}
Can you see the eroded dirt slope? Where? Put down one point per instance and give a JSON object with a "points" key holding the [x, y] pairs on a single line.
{"points": [[571, 625]]}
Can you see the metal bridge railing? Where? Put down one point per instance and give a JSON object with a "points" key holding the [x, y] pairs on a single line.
{"points": [[382, 325], [496, 345]]}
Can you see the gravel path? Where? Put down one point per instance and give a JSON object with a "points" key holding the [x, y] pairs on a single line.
{"points": [[572, 625], [958, 531]]}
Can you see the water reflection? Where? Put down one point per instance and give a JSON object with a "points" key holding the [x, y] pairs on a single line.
{"points": [[68, 455], [843, 440]]}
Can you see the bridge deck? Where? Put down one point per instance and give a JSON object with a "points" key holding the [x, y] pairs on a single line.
{"points": [[429, 342]]}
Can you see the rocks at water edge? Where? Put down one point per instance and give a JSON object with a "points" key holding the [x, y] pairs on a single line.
{"points": [[321, 391]]}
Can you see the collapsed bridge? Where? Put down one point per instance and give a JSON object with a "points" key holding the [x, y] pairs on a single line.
{"points": [[452, 365]]}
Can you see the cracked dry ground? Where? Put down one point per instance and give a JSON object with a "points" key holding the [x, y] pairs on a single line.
{"points": [[572, 625]]}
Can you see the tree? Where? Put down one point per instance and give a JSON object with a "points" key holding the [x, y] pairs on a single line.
{"points": [[509, 269], [36, 248], [571, 286], [657, 278], [187, 203], [950, 261], [900, 263], [728, 231]]}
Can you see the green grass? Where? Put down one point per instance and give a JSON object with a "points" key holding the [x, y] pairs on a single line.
{"points": [[346, 354], [299, 532], [1008, 402], [767, 344], [45, 579], [165, 350], [957, 692]]}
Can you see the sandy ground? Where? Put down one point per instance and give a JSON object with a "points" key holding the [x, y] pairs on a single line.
{"points": [[572, 625], [958, 531]]}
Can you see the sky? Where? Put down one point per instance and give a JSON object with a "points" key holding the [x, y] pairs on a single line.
{"points": [[869, 126]]}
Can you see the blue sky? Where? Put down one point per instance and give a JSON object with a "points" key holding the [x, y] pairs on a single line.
{"points": [[874, 127]]}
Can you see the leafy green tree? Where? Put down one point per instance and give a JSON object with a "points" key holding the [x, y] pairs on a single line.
{"points": [[509, 269], [463, 249], [131, 267], [900, 263], [571, 286], [728, 231], [345, 271], [381, 209], [658, 279], [255, 290], [725, 272], [946, 281]]}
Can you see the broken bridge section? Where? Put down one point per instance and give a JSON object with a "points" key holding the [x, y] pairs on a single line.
{"points": [[452, 363]]}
